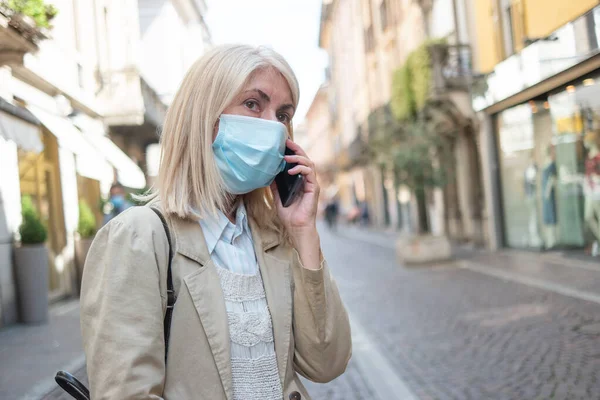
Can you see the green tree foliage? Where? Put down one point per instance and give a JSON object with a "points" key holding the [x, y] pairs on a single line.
{"points": [[419, 63], [32, 229], [38, 10], [87, 221], [411, 84], [413, 144], [403, 99], [409, 148], [417, 145]]}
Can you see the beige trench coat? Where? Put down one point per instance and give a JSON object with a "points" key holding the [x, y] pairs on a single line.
{"points": [[123, 301]]}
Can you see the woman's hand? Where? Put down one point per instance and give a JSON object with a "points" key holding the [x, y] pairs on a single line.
{"points": [[300, 217]]}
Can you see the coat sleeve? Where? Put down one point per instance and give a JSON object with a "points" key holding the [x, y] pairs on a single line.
{"points": [[123, 299], [323, 344]]}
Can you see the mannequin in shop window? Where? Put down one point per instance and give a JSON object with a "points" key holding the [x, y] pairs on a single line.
{"points": [[592, 189], [530, 185], [549, 197]]}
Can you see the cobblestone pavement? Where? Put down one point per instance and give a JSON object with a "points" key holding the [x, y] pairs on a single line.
{"points": [[350, 386], [451, 333]]}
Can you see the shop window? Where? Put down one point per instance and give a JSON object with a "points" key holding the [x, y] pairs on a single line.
{"points": [[40, 179], [550, 170], [519, 177]]}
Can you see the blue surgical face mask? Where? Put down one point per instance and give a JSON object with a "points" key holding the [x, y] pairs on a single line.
{"points": [[117, 200], [249, 152]]}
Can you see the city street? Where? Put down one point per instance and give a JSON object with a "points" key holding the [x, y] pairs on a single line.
{"points": [[453, 333], [470, 126], [458, 332]]}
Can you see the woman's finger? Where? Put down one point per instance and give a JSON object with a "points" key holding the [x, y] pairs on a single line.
{"points": [[299, 160], [307, 172], [300, 169]]}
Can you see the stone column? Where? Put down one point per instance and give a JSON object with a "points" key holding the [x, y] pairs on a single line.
{"points": [[491, 181]]}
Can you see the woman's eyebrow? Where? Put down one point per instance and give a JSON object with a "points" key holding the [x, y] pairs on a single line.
{"points": [[262, 94], [288, 107]]}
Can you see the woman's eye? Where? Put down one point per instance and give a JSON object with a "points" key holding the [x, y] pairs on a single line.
{"points": [[283, 118], [251, 104]]}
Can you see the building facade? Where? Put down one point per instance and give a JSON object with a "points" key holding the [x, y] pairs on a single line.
{"points": [[77, 113], [146, 47], [367, 41], [538, 104]]}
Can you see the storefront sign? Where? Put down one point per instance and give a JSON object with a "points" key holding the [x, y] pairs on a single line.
{"points": [[542, 59]]}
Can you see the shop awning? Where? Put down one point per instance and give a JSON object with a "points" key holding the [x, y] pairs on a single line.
{"points": [[90, 163], [24, 134], [128, 172]]}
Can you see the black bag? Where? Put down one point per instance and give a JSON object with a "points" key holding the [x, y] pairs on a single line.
{"points": [[72, 385]]}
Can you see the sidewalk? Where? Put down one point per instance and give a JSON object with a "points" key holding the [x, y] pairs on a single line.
{"points": [[566, 276], [30, 355], [558, 272], [365, 234]]}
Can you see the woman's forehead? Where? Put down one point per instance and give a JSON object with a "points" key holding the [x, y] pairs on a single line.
{"points": [[271, 82]]}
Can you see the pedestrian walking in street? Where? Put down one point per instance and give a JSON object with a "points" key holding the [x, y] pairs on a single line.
{"points": [[331, 213], [117, 202], [256, 305]]}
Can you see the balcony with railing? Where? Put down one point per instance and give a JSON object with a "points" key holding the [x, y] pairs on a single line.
{"points": [[451, 67], [131, 107]]}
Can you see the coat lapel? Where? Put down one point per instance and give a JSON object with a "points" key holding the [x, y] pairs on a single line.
{"points": [[277, 281], [205, 289]]}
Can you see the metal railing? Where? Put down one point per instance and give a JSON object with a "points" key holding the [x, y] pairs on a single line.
{"points": [[452, 67]]}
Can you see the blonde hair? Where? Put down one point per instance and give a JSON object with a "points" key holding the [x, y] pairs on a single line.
{"points": [[188, 183]]}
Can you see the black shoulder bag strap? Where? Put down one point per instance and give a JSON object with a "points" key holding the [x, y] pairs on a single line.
{"points": [[78, 390], [170, 291]]}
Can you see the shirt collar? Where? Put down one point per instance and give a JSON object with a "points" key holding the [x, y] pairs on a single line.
{"points": [[217, 227]]}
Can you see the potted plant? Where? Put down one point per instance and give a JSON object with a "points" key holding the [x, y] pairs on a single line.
{"points": [[31, 262], [86, 230], [38, 12]]}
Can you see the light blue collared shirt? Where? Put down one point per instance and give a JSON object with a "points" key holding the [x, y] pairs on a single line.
{"points": [[230, 246]]}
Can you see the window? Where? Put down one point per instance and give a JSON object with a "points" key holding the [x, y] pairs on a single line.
{"points": [[369, 39], [513, 28], [80, 77], [383, 15], [507, 28]]}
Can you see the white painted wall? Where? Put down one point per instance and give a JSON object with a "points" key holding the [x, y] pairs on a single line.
{"points": [[344, 71], [170, 44], [442, 19], [10, 219], [68, 58], [68, 181], [10, 193]]}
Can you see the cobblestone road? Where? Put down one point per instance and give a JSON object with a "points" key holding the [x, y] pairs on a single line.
{"points": [[451, 333]]}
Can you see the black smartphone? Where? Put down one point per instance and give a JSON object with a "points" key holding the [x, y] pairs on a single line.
{"points": [[289, 186]]}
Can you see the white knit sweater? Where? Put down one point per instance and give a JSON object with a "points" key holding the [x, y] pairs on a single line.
{"points": [[253, 362]]}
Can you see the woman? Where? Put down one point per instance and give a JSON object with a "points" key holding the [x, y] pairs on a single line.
{"points": [[256, 304]]}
